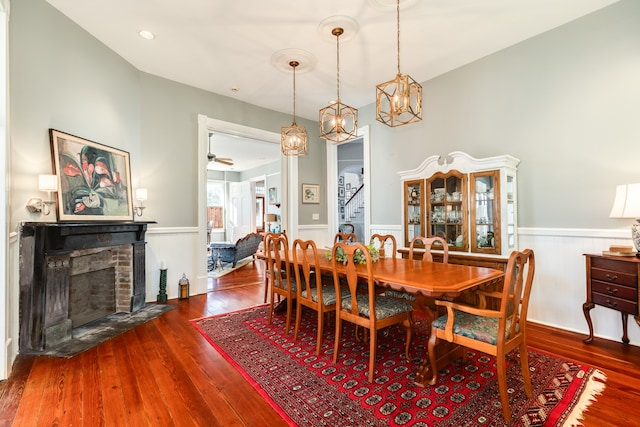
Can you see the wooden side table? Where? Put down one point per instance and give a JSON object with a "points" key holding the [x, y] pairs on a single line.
{"points": [[612, 282]]}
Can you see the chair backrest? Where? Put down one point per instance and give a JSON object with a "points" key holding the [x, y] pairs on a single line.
{"points": [[305, 254], [383, 239], [346, 268], [278, 264], [516, 290], [345, 237], [428, 243], [347, 228], [264, 238]]}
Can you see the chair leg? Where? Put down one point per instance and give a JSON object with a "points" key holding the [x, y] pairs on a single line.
{"points": [[271, 307], [524, 363], [289, 312], [408, 324], [298, 319], [266, 288], [433, 341], [502, 383], [320, 332], [373, 345], [336, 344]]}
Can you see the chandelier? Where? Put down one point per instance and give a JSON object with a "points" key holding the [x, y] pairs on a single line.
{"points": [[294, 137], [338, 121], [399, 101]]}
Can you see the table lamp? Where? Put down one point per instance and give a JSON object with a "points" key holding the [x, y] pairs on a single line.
{"points": [[627, 205], [269, 218]]}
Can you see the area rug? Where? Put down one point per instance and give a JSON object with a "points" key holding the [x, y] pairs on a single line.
{"points": [[228, 268], [310, 390]]}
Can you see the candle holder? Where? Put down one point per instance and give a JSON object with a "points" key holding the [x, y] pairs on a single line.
{"points": [[162, 295]]}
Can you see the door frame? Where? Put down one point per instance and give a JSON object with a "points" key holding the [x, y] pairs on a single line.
{"points": [[288, 179]]}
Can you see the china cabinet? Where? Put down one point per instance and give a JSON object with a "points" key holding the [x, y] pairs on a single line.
{"points": [[413, 199], [471, 203]]}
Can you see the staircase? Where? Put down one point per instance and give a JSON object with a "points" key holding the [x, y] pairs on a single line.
{"points": [[354, 207]]}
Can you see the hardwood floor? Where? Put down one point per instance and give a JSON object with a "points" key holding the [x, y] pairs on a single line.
{"points": [[164, 373]]}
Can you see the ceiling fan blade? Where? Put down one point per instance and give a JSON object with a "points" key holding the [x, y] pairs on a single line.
{"points": [[224, 161]]}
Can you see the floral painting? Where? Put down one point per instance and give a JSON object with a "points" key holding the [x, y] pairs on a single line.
{"points": [[310, 193], [94, 180]]}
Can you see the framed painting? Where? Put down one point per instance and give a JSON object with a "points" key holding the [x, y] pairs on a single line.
{"points": [[310, 193], [340, 191], [341, 180], [94, 180], [273, 195]]}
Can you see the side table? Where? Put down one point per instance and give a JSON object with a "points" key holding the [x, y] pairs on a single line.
{"points": [[612, 282]]}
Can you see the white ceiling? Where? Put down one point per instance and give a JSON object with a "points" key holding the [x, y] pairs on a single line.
{"points": [[246, 153], [226, 47]]}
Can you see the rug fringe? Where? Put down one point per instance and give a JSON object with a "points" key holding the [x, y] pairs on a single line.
{"points": [[594, 387]]}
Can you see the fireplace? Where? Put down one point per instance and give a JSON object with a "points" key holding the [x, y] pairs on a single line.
{"points": [[72, 274]]}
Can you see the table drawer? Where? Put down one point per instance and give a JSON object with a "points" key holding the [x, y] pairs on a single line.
{"points": [[614, 277], [614, 265], [615, 290], [615, 303]]}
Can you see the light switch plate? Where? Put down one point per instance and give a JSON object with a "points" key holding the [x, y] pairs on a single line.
{"points": [[315, 217]]}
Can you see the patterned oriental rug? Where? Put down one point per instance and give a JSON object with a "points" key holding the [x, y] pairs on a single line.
{"points": [[307, 390]]}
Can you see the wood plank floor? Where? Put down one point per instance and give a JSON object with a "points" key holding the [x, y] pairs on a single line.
{"points": [[164, 373]]}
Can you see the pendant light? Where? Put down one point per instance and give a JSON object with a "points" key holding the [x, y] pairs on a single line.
{"points": [[338, 121], [294, 137], [399, 101]]}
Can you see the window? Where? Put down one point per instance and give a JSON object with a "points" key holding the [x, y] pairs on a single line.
{"points": [[215, 204]]}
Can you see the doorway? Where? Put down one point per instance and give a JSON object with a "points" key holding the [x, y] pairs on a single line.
{"points": [[352, 162], [288, 179]]}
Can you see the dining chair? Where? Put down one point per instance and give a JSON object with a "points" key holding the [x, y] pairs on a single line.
{"points": [[279, 267], [345, 237], [495, 332], [314, 290], [383, 239], [367, 310], [347, 228], [428, 244], [264, 250]]}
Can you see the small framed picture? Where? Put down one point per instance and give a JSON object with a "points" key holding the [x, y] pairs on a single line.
{"points": [[347, 195], [342, 210], [341, 180], [348, 186], [310, 193], [341, 202], [341, 192]]}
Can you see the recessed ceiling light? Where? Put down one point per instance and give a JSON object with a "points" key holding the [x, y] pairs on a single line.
{"points": [[147, 35]]}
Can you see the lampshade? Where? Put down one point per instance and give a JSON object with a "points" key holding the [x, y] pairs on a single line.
{"points": [[141, 194], [270, 218], [47, 183], [338, 121], [627, 205], [399, 101], [627, 202], [294, 137]]}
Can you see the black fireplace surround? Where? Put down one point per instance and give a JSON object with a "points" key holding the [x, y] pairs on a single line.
{"points": [[45, 250]]}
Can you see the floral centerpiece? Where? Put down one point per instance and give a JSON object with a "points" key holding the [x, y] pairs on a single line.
{"points": [[358, 256]]}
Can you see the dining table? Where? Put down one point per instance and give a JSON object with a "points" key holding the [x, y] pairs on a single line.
{"points": [[428, 280]]}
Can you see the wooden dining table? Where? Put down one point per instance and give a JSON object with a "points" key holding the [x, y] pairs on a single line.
{"points": [[430, 280]]}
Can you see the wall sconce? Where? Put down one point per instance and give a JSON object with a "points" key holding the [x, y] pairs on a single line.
{"points": [[48, 183], [141, 196]]}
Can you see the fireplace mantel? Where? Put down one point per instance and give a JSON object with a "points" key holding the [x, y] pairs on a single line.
{"points": [[45, 250]]}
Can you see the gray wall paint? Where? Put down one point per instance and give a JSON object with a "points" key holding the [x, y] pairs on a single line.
{"points": [[566, 103]]}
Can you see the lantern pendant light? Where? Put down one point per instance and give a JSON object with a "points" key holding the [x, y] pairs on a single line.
{"points": [[399, 101], [338, 121], [294, 137]]}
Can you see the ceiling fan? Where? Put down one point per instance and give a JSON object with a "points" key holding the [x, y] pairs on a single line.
{"points": [[213, 158]]}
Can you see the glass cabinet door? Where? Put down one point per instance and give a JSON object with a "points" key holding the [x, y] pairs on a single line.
{"points": [[485, 216], [447, 212], [413, 194]]}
